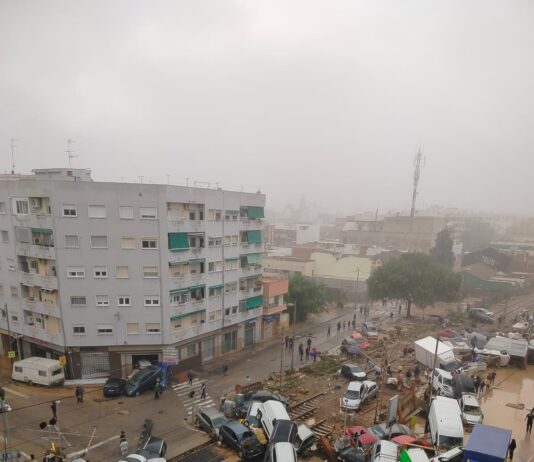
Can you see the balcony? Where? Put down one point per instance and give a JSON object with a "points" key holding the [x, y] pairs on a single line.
{"points": [[273, 309], [201, 328], [36, 251], [36, 306], [39, 335], [47, 281], [35, 220]]}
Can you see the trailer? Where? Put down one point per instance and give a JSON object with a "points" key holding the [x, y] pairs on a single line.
{"points": [[425, 350], [488, 444]]}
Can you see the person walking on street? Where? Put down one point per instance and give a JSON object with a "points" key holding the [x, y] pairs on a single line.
{"points": [[123, 447], [53, 406], [203, 391], [287, 341], [354, 319], [391, 316], [308, 342], [361, 309], [511, 448], [482, 386], [225, 369], [79, 394], [157, 390], [328, 331], [307, 353], [353, 324], [247, 380], [190, 377], [529, 419], [301, 351], [338, 326], [344, 324]]}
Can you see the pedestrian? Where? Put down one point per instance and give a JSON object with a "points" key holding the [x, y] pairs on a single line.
{"points": [[308, 342], [493, 377], [53, 406], [511, 448], [529, 418], [338, 326], [122, 435], [192, 393], [328, 331], [190, 377], [79, 394], [2, 394], [157, 390], [307, 353], [203, 391], [354, 319], [344, 324], [361, 309], [313, 354], [353, 324], [123, 447], [290, 343], [400, 309], [404, 350], [287, 341], [247, 380], [301, 351], [391, 316], [408, 375], [388, 370], [225, 369], [416, 371], [482, 386]]}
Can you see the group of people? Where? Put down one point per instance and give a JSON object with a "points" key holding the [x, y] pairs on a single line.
{"points": [[482, 384]]}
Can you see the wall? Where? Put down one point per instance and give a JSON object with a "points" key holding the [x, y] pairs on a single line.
{"points": [[288, 265], [343, 268]]}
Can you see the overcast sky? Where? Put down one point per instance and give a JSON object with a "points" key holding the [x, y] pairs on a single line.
{"points": [[325, 100]]}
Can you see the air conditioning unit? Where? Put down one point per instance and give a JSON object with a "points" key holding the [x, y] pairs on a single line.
{"points": [[36, 202]]}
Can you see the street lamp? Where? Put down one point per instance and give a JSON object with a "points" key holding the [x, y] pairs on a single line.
{"points": [[294, 306]]}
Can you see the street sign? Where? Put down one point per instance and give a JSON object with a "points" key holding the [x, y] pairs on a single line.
{"points": [[11, 354], [169, 356], [63, 360]]}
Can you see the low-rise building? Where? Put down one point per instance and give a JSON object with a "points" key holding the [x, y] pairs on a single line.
{"points": [[275, 320]]}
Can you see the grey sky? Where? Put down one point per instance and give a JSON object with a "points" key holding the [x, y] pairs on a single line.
{"points": [[327, 100]]}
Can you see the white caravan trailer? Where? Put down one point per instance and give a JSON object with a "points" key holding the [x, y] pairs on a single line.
{"points": [[38, 370]]}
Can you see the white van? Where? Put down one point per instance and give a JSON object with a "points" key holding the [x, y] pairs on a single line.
{"points": [[417, 455], [385, 451], [442, 383], [445, 418], [42, 371], [269, 412]]}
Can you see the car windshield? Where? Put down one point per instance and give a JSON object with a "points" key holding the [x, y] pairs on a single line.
{"points": [[139, 376], [355, 369], [352, 394], [447, 381], [474, 410]]}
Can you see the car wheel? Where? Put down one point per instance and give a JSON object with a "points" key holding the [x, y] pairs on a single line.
{"points": [[259, 415]]}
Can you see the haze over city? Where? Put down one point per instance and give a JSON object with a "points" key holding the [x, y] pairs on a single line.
{"points": [[298, 99]]}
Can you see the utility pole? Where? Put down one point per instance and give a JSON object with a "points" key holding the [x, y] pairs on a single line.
{"points": [[13, 141], [293, 335], [281, 363], [6, 425]]}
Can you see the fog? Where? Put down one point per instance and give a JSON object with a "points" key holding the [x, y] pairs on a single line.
{"points": [[326, 101]]}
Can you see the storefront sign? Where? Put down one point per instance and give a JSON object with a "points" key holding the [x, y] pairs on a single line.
{"points": [[170, 356]]}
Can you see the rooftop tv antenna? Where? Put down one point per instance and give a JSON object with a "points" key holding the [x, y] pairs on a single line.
{"points": [[13, 141], [70, 152], [418, 163]]}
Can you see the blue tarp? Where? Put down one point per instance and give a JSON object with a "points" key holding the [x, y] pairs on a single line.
{"points": [[487, 444]]}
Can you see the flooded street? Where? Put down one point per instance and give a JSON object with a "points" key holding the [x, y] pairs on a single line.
{"points": [[512, 386]]}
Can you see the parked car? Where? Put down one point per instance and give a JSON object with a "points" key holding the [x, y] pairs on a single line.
{"points": [[442, 383], [153, 448], [358, 393], [305, 439], [481, 314], [251, 420], [142, 380], [284, 431], [269, 413], [369, 330], [381, 431], [281, 452], [360, 340], [350, 347], [209, 420], [140, 458], [453, 455], [238, 437], [449, 333], [365, 439], [352, 372], [114, 387], [260, 396]]}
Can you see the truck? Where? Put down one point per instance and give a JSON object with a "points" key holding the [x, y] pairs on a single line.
{"points": [[425, 349]]}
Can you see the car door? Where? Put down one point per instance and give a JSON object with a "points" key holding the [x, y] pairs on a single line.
{"points": [[363, 394], [373, 390]]}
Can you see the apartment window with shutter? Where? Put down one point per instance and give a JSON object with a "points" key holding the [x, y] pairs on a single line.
{"points": [[124, 300], [127, 243], [214, 241], [69, 210], [100, 272], [214, 266], [150, 272], [72, 241], [126, 212], [104, 329], [148, 213], [4, 236], [132, 328], [21, 207], [102, 300], [75, 272], [99, 242], [2, 208], [121, 272], [78, 300], [151, 300], [152, 328], [78, 329], [149, 243], [14, 291], [97, 211]]}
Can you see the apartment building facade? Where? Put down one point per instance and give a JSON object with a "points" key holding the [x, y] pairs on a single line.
{"points": [[111, 273]]}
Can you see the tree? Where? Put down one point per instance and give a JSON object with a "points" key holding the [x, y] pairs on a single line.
{"points": [[415, 278], [309, 295], [442, 251]]}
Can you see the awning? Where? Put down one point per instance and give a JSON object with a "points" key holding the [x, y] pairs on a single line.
{"points": [[178, 291], [231, 259], [42, 230], [232, 211], [178, 241], [255, 212], [218, 286], [196, 261], [254, 302], [178, 263], [246, 278], [180, 316], [254, 237], [200, 286], [253, 258]]}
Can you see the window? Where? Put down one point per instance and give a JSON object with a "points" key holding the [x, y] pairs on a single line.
{"points": [[99, 242], [214, 266], [14, 318], [127, 243], [215, 291], [152, 328], [74, 272], [148, 213], [100, 272], [231, 265], [14, 291], [132, 328], [11, 264], [234, 309], [97, 211], [121, 272], [149, 243], [126, 212], [227, 240], [104, 329], [69, 210], [78, 300], [231, 215], [1, 289], [235, 239], [2, 208], [214, 241], [227, 311], [102, 300], [21, 207], [72, 241], [124, 300], [150, 271], [179, 298], [231, 287], [191, 350], [78, 330], [5, 236], [151, 300], [18, 369], [214, 214]]}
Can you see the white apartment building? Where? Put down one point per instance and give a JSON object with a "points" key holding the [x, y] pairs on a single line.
{"points": [[107, 274]]}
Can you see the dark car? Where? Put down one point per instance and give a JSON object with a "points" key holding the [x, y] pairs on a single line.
{"points": [[114, 387], [153, 448], [260, 396], [284, 431], [481, 314], [462, 383], [209, 420], [350, 347], [236, 436], [143, 380], [353, 372]]}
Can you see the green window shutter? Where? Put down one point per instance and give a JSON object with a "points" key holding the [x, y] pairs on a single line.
{"points": [[201, 286], [180, 316], [42, 230], [254, 237], [254, 302], [218, 286], [255, 212], [197, 260], [253, 258], [178, 291], [178, 241]]}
